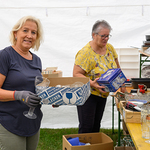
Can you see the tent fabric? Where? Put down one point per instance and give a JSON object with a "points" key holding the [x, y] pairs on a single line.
{"points": [[67, 28]]}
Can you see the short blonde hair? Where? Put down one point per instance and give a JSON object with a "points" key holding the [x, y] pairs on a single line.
{"points": [[20, 23]]}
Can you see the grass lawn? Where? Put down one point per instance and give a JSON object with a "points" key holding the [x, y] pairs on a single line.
{"points": [[51, 139]]}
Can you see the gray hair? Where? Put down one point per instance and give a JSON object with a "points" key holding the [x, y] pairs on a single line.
{"points": [[100, 25]]}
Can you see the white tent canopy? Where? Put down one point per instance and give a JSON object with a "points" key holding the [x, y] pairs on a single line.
{"points": [[67, 28]]}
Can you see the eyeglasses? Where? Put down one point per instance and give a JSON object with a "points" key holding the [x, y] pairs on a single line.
{"points": [[104, 36]]}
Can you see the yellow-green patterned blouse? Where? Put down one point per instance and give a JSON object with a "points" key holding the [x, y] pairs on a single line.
{"points": [[95, 64]]}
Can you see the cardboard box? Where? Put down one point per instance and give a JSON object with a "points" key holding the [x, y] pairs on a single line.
{"points": [[112, 79], [98, 141], [124, 148], [66, 93], [48, 74], [128, 115]]}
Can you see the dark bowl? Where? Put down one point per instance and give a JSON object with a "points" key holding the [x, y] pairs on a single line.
{"points": [[136, 81], [147, 37]]}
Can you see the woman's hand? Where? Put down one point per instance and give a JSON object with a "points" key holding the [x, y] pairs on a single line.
{"points": [[27, 97], [78, 72], [123, 89], [97, 86]]}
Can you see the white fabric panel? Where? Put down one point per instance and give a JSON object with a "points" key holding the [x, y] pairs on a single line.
{"points": [[70, 3], [67, 28], [66, 116]]}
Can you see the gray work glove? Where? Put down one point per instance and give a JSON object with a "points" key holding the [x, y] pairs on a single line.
{"points": [[29, 98]]}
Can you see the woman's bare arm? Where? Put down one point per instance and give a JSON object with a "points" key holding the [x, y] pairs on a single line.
{"points": [[5, 95]]}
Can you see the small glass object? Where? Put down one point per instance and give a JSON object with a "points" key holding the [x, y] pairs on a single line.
{"points": [[40, 84], [148, 124], [30, 114], [144, 127], [77, 84], [148, 120]]}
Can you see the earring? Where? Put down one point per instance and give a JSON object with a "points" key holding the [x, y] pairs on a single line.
{"points": [[16, 38]]}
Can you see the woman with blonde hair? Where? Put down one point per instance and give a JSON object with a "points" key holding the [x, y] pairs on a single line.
{"points": [[18, 69]]}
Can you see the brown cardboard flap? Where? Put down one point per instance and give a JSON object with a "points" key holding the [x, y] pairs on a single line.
{"points": [[66, 80]]}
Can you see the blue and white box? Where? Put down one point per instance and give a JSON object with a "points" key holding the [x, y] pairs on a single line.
{"points": [[112, 79], [63, 91]]}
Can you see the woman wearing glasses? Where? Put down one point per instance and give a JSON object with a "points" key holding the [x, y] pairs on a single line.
{"points": [[94, 59]]}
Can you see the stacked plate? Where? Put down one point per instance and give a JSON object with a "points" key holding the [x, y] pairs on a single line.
{"points": [[145, 72]]}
